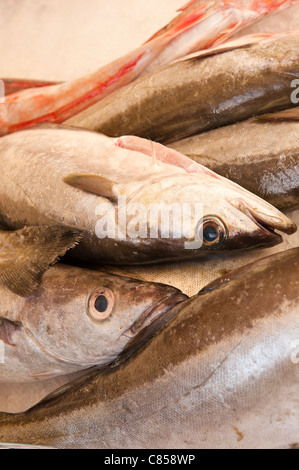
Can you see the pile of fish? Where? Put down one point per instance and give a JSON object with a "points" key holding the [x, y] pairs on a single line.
{"points": [[219, 374], [160, 369]]}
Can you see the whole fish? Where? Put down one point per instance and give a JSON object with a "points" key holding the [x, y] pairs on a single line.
{"points": [[260, 154], [197, 26], [202, 92], [77, 318], [223, 373], [76, 178]]}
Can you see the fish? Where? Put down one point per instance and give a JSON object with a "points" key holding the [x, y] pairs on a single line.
{"points": [[260, 154], [210, 89], [198, 25], [114, 193], [56, 320], [75, 319], [220, 21], [223, 373]]}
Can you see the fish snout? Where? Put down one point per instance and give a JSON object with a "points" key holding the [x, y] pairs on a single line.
{"points": [[266, 216], [267, 219], [156, 313]]}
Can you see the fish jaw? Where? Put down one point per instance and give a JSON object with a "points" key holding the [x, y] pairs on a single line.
{"points": [[266, 216], [155, 312], [252, 223], [151, 322]]}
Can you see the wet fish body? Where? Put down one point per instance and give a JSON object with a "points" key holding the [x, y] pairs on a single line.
{"points": [[75, 319], [198, 25], [222, 374], [60, 176], [201, 93], [261, 156]]}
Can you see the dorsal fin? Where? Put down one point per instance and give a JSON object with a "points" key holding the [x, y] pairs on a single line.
{"points": [[27, 253], [95, 184], [163, 154]]}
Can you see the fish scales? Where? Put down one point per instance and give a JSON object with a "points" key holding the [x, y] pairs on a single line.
{"points": [[261, 156], [199, 94], [61, 176], [222, 373]]}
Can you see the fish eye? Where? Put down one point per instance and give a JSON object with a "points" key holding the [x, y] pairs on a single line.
{"points": [[214, 231], [100, 303]]}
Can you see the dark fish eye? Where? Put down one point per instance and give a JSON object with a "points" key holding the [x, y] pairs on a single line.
{"points": [[100, 303], [210, 233], [214, 231]]}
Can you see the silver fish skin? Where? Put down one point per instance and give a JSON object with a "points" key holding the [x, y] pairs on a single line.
{"points": [[62, 176], [201, 93], [77, 318], [223, 373], [259, 154]]}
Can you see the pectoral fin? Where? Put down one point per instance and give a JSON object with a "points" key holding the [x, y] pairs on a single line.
{"points": [[26, 254], [95, 184], [7, 329]]}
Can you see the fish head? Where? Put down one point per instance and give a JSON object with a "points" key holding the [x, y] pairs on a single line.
{"points": [[235, 219], [84, 317], [211, 213]]}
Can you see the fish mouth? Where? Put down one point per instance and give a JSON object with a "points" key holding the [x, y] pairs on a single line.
{"points": [[267, 222], [152, 319], [155, 313]]}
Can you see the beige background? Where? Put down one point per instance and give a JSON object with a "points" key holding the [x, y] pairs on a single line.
{"points": [[63, 39]]}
